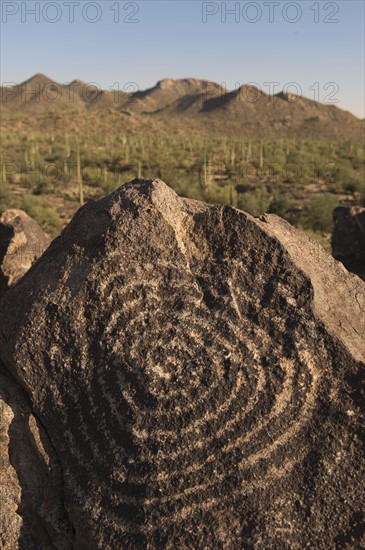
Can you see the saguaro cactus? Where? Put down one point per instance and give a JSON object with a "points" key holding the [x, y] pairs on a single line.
{"points": [[261, 154], [78, 173]]}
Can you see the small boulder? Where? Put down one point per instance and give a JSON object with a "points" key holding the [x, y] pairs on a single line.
{"points": [[348, 238], [22, 241]]}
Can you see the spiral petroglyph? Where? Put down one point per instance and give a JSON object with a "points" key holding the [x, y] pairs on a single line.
{"points": [[191, 380]]}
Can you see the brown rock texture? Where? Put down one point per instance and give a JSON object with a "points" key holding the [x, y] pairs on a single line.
{"points": [[10, 490], [31, 487], [348, 238], [200, 374], [22, 241]]}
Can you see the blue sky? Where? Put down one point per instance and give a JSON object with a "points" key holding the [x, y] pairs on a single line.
{"points": [[317, 45]]}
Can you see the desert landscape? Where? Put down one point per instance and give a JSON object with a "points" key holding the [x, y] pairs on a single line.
{"points": [[182, 275], [280, 153]]}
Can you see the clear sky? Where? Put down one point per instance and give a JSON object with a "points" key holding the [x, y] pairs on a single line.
{"points": [[317, 45]]}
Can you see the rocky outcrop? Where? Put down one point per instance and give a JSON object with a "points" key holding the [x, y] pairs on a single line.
{"points": [[199, 373], [10, 490], [348, 238], [31, 487], [22, 241]]}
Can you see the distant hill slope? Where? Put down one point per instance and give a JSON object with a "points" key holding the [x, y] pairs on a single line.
{"points": [[181, 106]]}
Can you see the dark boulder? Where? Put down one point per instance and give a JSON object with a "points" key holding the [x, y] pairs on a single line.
{"points": [[199, 373], [348, 238], [32, 515]]}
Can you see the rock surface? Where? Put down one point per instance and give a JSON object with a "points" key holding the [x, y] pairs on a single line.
{"points": [[200, 374], [31, 487], [22, 241], [348, 238]]}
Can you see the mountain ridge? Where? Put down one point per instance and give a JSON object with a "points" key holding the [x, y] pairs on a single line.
{"points": [[175, 102]]}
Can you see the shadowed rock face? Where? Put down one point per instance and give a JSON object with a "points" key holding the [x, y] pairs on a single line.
{"points": [[22, 241], [31, 488], [199, 373], [348, 238]]}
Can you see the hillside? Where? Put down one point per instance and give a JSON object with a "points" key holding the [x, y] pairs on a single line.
{"points": [[181, 107], [65, 144]]}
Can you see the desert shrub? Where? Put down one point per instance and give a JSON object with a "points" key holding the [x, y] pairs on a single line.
{"points": [[43, 186], [111, 184], [355, 185], [38, 209], [6, 198], [342, 174], [318, 213], [254, 202], [216, 194], [294, 157], [280, 206]]}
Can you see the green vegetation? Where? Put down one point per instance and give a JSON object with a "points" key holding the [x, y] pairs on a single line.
{"points": [[38, 209], [49, 176]]}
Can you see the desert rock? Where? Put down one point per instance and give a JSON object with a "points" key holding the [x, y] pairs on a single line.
{"points": [[22, 241], [32, 516], [31, 487], [200, 374], [348, 238]]}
